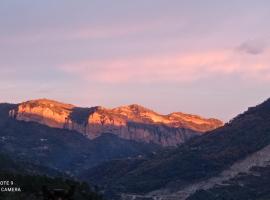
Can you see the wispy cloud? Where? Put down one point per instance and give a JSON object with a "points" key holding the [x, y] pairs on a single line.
{"points": [[252, 47], [173, 67]]}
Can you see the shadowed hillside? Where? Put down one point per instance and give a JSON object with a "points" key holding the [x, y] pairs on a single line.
{"points": [[61, 149], [196, 160]]}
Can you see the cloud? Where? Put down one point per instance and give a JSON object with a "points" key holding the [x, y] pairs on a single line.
{"points": [[173, 67], [252, 47]]}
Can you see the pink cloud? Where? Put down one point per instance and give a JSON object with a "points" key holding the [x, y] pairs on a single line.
{"points": [[173, 67]]}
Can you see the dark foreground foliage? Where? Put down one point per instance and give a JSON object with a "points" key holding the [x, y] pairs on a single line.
{"points": [[45, 188]]}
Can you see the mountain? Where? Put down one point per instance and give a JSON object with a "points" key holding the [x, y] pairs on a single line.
{"points": [[132, 122], [202, 163], [61, 149], [45, 137]]}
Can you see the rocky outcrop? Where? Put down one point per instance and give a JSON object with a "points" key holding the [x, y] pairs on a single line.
{"points": [[132, 122]]}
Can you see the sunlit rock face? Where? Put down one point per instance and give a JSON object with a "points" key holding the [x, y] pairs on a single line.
{"points": [[132, 122], [46, 112]]}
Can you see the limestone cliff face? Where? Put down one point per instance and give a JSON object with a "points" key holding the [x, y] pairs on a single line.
{"points": [[131, 122]]}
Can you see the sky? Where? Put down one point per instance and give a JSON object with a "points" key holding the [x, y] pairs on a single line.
{"points": [[206, 57]]}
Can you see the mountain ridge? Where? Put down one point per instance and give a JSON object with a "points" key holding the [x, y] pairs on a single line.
{"points": [[62, 149], [133, 122]]}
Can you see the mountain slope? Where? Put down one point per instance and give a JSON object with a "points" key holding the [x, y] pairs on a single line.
{"points": [[61, 149], [132, 122], [246, 179], [197, 160]]}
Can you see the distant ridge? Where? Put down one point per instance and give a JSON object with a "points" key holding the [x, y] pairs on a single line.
{"points": [[133, 122]]}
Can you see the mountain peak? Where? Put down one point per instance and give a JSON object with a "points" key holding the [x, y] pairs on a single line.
{"points": [[133, 121], [134, 108], [48, 102]]}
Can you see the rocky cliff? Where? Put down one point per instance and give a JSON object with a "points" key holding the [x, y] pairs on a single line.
{"points": [[132, 122]]}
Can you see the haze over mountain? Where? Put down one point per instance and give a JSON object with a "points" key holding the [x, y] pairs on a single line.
{"points": [[132, 122]]}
